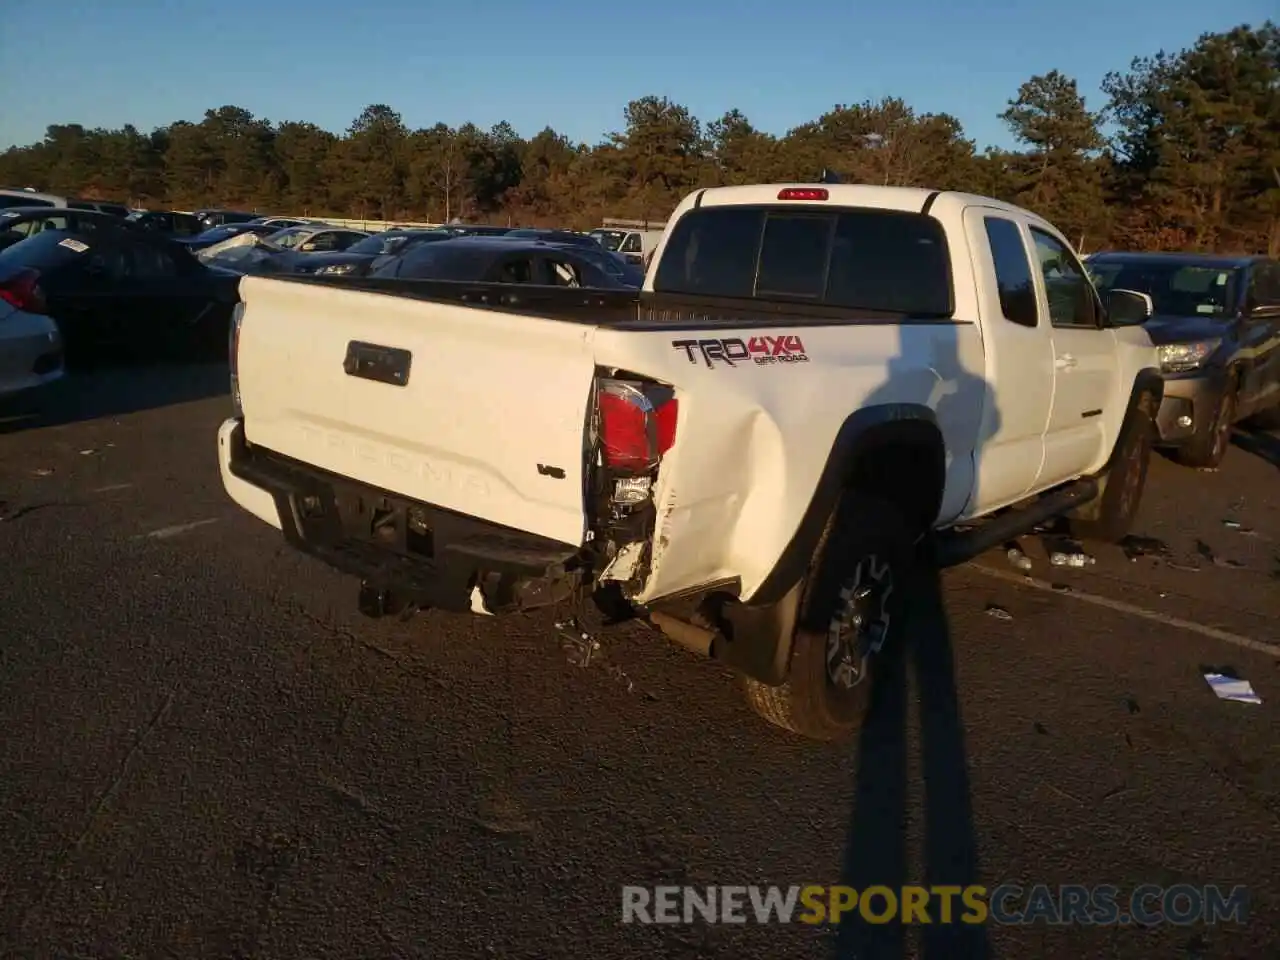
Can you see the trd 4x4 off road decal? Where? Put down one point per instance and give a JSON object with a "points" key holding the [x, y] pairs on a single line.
{"points": [[734, 350]]}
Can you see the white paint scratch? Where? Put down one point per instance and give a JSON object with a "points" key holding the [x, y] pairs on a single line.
{"points": [[165, 532], [1260, 646]]}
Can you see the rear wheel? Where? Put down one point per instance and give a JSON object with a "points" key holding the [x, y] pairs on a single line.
{"points": [[850, 609]]}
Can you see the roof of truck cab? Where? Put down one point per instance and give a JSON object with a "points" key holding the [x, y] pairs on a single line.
{"points": [[906, 199]]}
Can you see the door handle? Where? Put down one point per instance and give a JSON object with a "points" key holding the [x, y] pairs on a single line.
{"points": [[1065, 362]]}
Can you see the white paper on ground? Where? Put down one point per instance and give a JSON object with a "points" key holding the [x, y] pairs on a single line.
{"points": [[1229, 688]]}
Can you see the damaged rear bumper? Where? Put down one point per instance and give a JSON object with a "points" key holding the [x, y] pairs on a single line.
{"points": [[421, 554]]}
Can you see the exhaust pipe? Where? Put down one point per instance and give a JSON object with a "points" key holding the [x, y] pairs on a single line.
{"points": [[697, 640]]}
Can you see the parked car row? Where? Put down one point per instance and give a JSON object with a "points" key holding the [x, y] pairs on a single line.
{"points": [[111, 292], [82, 286]]}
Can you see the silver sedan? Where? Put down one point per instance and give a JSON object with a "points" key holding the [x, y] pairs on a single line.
{"points": [[30, 342]]}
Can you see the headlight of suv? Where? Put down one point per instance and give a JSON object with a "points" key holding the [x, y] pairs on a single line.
{"points": [[1181, 357], [336, 269]]}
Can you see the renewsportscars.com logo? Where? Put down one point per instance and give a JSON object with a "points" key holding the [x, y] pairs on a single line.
{"points": [[1006, 904]]}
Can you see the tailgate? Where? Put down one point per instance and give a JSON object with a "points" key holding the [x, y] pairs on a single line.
{"points": [[488, 421]]}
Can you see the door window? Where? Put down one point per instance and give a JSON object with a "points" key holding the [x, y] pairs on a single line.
{"points": [[186, 226], [562, 273], [1067, 288], [106, 265], [516, 270], [1013, 272], [1264, 288], [147, 262], [632, 243]]}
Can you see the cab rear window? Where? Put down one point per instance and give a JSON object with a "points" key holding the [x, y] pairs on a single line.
{"points": [[884, 261]]}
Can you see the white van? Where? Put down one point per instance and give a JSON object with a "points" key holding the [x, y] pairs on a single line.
{"points": [[634, 244]]}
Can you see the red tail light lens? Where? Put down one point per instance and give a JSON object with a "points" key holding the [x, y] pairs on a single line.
{"points": [[637, 424], [803, 193], [22, 291]]}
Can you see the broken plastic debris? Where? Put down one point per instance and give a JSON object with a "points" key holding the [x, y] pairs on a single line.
{"points": [[1207, 553], [42, 472], [86, 453], [1135, 547], [1232, 688], [1017, 558], [1071, 559], [1000, 613], [578, 645], [620, 675], [1231, 524]]}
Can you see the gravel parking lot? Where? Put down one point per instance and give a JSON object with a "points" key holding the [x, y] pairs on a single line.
{"points": [[207, 752]]}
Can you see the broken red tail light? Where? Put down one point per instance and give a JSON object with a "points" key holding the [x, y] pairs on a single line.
{"points": [[637, 424], [22, 290], [803, 193]]}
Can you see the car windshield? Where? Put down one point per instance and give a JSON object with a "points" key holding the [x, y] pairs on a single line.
{"points": [[380, 244], [289, 237], [609, 239], [1176, 289]]}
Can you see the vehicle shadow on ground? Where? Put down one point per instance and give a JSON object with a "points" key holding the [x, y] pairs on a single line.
{"points": [[111, 392], [1265, 446], [876, 848]]}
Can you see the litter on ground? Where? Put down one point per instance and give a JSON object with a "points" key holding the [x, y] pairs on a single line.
{"points": [[1232, 688]]}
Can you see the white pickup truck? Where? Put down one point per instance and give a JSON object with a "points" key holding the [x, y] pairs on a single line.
{"points": [[817, 383]]}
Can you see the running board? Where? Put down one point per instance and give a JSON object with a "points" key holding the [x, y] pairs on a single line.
{"points": [[952, 548]]}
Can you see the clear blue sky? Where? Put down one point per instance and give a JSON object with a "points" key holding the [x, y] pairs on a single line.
{"points": [[566, 63]]}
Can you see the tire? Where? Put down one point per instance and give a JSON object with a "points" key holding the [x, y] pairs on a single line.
{"points": [[1207, 448], [1110, 518], [867, 544]]}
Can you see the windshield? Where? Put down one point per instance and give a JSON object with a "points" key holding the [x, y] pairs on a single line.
{"points": [[380, 244], [609, 239], [1176, 289], [288, 238]]}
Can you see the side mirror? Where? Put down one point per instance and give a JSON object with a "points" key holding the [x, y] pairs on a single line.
{"points": [[1129, 308]]}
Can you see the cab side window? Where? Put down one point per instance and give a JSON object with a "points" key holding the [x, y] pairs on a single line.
{"points": [[1066, 285], [1013, 272], [632, 244]]}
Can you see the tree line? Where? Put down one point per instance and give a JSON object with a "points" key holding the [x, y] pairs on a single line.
{"points": [[1185, 154]]}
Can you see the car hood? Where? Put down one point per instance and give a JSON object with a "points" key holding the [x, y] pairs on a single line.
{"points": [[1171, 328]]}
